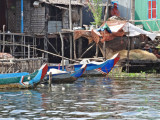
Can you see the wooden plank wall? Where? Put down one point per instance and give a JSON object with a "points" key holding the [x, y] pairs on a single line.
{"points": [[38, 20], [2, 14], [34, 18]]}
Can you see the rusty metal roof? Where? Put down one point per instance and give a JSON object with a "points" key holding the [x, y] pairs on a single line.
{"points": [[62, 2]]}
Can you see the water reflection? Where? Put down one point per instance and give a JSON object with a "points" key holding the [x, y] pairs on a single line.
{"points": [[87, 99]]}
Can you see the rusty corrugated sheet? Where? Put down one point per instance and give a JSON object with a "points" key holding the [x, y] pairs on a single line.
{"points": [[104, 35]]}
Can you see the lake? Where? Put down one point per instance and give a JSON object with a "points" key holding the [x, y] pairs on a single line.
{"points": [[90, 98]]}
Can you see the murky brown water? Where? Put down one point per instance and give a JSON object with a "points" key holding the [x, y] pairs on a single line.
{"points": [[95, 98]]}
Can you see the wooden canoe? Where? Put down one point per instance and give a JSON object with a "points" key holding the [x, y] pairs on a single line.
{"points": [[59, 76], [22, 80], [94, 68]]}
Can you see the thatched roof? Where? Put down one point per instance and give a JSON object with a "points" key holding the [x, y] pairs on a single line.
{"points": [[63, 2]]}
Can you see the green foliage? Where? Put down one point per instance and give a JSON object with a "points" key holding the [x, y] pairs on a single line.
{"points": [[96, 10]]}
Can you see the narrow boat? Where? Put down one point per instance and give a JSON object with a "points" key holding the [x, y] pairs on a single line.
{"points": [[93, 68], [59, 76], [22, 80]]}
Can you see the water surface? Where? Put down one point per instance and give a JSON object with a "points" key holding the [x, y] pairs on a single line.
{"points": [[95, 98]]}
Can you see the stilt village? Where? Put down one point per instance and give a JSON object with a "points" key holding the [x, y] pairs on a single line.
{"points": [[60, 33]]}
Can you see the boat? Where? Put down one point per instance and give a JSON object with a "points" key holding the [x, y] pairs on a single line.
{"points": [[23, 79], [93, 67], [60, 76]]}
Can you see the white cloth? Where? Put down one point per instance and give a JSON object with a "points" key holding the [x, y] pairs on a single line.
{"points": [[135, 31]]}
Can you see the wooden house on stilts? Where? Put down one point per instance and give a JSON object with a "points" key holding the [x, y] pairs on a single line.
{"points": [[37, 23]]}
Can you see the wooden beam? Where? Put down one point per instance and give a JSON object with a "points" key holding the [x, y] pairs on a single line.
{"points": [[87, 50]]}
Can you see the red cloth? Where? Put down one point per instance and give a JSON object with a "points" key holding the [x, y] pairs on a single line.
{"points": [[115, 12]]}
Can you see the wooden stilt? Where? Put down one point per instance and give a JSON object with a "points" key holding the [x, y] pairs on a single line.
{"points": [[127, 65], [74, 42], [28, 51], [97, 50], [50, 79], [24, 48], [3, 38], [62, 49], [70, 39], [13, 45], [104, 50], [80, 47]]}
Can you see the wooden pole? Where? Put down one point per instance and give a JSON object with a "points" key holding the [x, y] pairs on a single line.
{"points": [[132, 10], [62, 49], [104, 50], [127, 66], [70, 15], [45, 52], [74, 42], [158, 26], [13, 45], [97, 50], [33, 46], [28, 51], [80, 47], [81, 15], [50, 79], [3, 38], [87, 50], [24, 51], [70, 39], [0, 45], [107, 10]]}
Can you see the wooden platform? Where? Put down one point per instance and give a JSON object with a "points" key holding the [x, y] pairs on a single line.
{"points": [[136, 66], [21, 65]]}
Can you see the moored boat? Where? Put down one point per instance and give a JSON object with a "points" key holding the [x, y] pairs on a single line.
{"points": [[93, 68], [59, 76], [23, 80]]}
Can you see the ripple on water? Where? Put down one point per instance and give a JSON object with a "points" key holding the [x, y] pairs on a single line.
{"points": [[19, 111]]}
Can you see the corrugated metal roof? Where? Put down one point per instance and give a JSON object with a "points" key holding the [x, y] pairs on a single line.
{"points": [[64, 2]]}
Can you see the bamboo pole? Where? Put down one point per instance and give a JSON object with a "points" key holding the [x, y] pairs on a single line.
{"points": [[149, 26], [70, 39], [50, 79], [3, 38], [70, 15], [24, 42], [87, 50], [28, 51], [13, 44], [74, 43], [97, 50], [62, 49], [107, 10], [127, 66], [158, 26], [104, 50], [46, 52]]}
